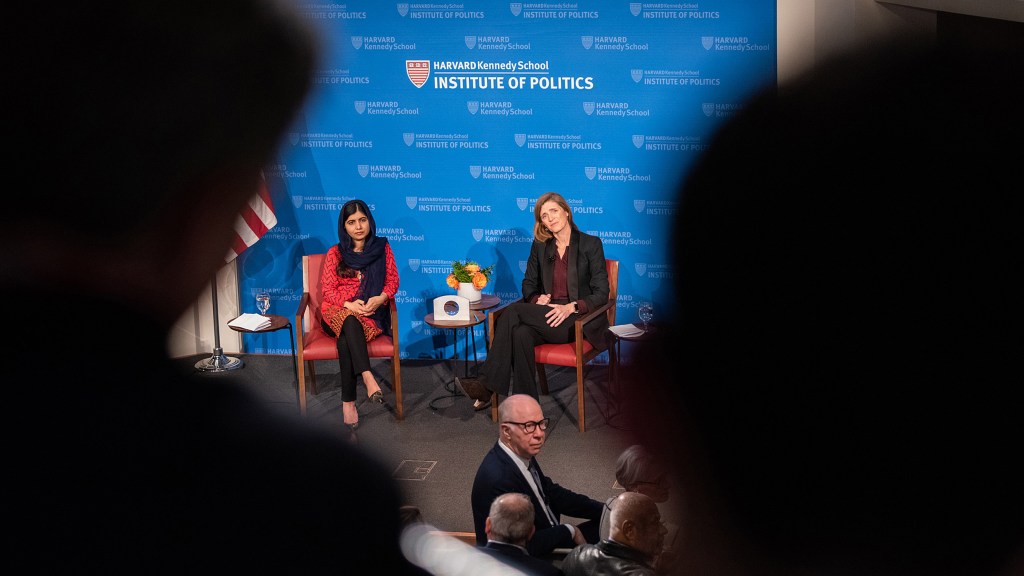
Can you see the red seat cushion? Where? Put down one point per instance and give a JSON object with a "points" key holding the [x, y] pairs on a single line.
{"points": [[559, 354], [317, 345], [381, 347]]}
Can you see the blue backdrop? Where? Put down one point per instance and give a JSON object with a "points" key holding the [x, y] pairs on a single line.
{"points": [[450, 119]]}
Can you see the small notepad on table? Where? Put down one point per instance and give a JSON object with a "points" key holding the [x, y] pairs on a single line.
{"points": [[251, 322], [626, 330]]}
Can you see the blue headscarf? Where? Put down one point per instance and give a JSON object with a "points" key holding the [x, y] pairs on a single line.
{"points": [[371, 261]]}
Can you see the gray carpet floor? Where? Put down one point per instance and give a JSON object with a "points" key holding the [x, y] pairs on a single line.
{"points": [[434, 452]]}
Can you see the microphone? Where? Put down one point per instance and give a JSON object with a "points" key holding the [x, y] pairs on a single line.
{"points": [[551, 258]]}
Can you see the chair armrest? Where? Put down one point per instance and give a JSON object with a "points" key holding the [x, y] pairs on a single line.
{"points": [[595, 312], [582, 321], [393, 308], [300, 312]]}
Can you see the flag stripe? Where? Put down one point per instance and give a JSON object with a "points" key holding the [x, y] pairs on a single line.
{"points": [[253, 221]]}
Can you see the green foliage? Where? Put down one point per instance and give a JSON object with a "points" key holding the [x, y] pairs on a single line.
{"points": [[463, 275]]}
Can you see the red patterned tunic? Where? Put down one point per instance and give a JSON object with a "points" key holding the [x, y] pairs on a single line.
{"points": [[339, 290]]}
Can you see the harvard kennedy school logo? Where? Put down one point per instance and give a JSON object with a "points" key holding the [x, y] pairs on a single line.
{"points": [[418, 71]]}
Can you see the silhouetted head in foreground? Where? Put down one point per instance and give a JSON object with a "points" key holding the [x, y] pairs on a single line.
{"points": [[142, 132], [847, 338]]}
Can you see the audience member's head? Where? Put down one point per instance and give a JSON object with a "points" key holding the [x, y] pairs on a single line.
{"points": [[848, 323], [517, 414], [144, 130], [636, 522], [511, 519], [640, 470]]}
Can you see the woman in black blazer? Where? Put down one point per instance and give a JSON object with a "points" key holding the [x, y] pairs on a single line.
{"points": [[566, 274]]}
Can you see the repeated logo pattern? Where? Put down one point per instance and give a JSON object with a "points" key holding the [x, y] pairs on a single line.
{"points": [[467, 113]]}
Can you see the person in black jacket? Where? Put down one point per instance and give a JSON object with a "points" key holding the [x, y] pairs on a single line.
{"points": [[142, 128], [509, 467], [566, 274], [637, 535], [509, 528]]}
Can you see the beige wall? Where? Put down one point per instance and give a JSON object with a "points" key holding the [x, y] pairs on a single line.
{"points": [[808, 30], [194, 332]]}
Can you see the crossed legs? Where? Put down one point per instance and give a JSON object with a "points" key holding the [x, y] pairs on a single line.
{"points": [[520, 327], [354, 361]]}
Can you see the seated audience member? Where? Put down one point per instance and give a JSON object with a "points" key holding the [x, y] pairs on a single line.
{"points": [[847, 335], [511, 465], [640, 470], [142, 128], [509, 527], [636, 539]]}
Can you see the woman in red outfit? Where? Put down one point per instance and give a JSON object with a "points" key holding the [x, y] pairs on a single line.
{"points": [[359, 276]]}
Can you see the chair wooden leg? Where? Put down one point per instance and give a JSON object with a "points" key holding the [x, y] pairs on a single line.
{"points": [[494, 406], [302, 388], [312, 378], [300, 366], [579, 398], [542, 379], [396, 379]]}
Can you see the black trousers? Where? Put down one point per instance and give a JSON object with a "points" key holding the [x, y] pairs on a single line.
{"points": [[352, 354], [521, 327]]}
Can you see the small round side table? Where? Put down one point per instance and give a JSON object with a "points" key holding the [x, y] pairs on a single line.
{"points": [[277, 323], [475, 317], [615, 354]]}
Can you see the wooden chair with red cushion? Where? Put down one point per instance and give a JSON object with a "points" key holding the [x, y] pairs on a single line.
{"points": [[575, 354], [315, 344]]}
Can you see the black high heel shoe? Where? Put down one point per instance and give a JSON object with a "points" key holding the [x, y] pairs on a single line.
{"points": [[475, 388], [352, 437], [351, 426]]}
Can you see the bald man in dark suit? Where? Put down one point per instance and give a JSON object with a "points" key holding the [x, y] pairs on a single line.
{"points": [[509, 466]]}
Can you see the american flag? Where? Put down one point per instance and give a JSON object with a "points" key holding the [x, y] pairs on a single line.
{"points": [[252, 222]]}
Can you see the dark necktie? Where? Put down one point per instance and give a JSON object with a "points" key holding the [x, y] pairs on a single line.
{"points": [[540, 488]]}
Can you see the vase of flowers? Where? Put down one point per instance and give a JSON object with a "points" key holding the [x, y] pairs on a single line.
{"points": [[469, 279]]}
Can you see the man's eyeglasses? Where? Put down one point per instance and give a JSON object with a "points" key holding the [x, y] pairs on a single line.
{"points": [[529, 427]]}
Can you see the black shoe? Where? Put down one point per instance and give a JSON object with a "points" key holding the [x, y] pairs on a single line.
{"points": [[352, 437], [377, 397], [353, 425], [478, 405], [474, 388]]}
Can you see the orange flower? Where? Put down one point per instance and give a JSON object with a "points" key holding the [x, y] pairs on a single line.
{"points": [[472, 267], [479, 280], [452, 281]]}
